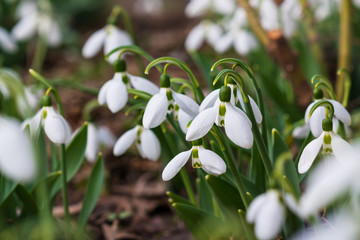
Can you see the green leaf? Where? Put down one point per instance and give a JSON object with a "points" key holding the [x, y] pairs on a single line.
{"points": [[174, 198], [49, 181], [41, 153], [7, 187], [204, 194], [202, 225], [74, 157], [93, 190], [30, 205], [225, 193], [278, 144], [257, 171]]}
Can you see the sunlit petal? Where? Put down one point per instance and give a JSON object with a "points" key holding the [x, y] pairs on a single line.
{"points": [[202, 124], [156, 110], [150, 145], [211, 162], [309, 154], [175, 165], [125, 141]]}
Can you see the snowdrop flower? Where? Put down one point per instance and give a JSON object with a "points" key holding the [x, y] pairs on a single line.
{"points": [[110, 37], [332, 178], [56, 127], [267, 213], [330, 143], [195, 8], [223, 113], [209, 161], [33, 20], [164, 102], [7, 43], [242, 40], [114, 92], [97, 136], [149, 6], [145, 140], [204, 31], [315, 121], [16, 154]]}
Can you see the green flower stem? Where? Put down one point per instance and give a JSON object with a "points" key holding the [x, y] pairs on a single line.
{"points": [[184, 176], [347, 86], [178, 131], [231, 163], [248, 230], [40, 53], [344, 51], [173, 61], [64, 187], [74, 85]]}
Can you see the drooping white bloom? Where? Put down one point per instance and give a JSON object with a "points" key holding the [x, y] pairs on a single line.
{"points": [[55, 126], [330, 142], [196, 8], [267, 213], [204, 31], [114, 92], [201, 158], [7, 43], [315, 121], [16, 154], [149, 6], [109, 37], [331, 179], [145, 140], [33, 20], [237, 124], [96, 137], [163, 102]]}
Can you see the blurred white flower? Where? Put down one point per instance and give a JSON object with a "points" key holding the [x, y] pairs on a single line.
{"points": [[96, 137], [149, 6], [196, 8], [33, 20], [267, 213], [201, 158], [145, 140], [16, 154], [110, 37], [204, 31], [7, 43], [55, 126]]}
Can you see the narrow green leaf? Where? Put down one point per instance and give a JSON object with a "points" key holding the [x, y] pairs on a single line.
{"points": [[174, 198], [204, 194], [7, 187], [93, 190], [30, 206], [50, 180]]}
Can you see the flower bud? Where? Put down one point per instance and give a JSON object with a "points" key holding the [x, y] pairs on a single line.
{"points": [[225, 94], [119, 65], [318, 93], [327, 125], [164, 81], [46, 101]]}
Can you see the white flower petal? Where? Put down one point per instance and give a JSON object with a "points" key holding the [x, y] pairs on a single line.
{"points": [[340, 112], [301, 132], [156, 110], [213, 33], [340, 147], [316, 121], [143, 84], [309, 154], [34, 123], [56, 127], [103, 92], [237, 128], [105, 136], [244, 42], [25, 28], [270, 219], [307, 111], [255, 207], [184, 119], [175, 165], [16, 155], [224, 43], [195, 38], [187, 104], [254, 107], [202, 124], [94, 43], [7, 42], [211, 162], [210, 100], [125, 141], [224, 6], [196, 7], [92, 143], [114, 39], [116, 95], [150, 145]]}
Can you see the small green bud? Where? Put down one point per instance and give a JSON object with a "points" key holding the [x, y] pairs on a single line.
{"points": [[164, 81], [327, 139], [318, 93], [327, 125], [197, 142], [225, 94], [46, 101], [119, 65]]}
